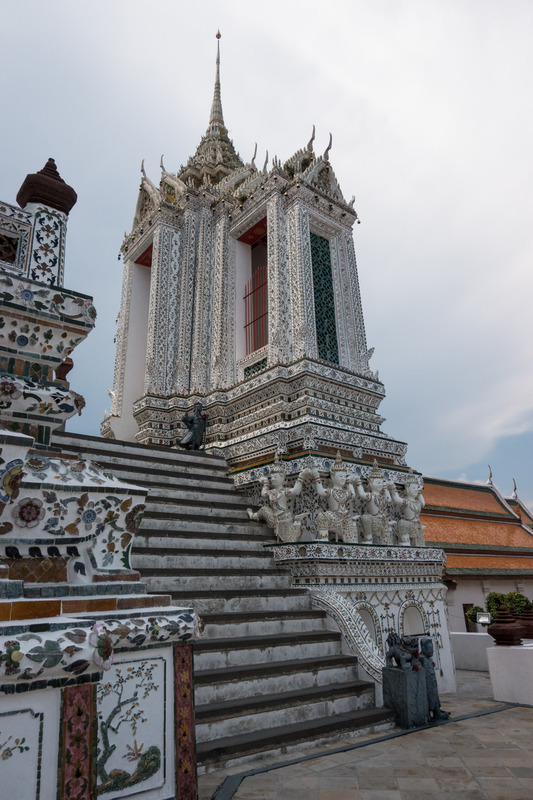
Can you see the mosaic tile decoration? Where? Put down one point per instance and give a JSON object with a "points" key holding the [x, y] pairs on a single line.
{"points": [[78, 727], [133, 704], [186, 780]]}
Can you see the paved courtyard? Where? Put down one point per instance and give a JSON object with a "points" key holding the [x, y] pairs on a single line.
{"points": [[488, 756]]}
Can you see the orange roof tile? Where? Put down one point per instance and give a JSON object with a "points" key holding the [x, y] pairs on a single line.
{"points": [[519, 507], [467, 497], [488, 562], [475, 531]]}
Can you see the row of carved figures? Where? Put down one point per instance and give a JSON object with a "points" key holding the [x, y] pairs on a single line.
{"points": [[373, 526]]}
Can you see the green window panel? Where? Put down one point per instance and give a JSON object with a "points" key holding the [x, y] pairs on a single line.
{"points": [[253, 368], [326, 328]]}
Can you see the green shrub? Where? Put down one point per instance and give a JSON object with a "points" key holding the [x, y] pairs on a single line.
{"points": [[518, 600], [494, 601]]}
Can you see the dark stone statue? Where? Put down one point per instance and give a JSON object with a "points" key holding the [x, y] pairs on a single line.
{"points": [[195, 424], [403, 650], [428, 665]]}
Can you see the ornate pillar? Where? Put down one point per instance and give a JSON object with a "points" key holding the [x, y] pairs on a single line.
{"points": [[343, 312], [356, 325], [185, 300], [302, 307], [279, 341], [203, 304], [223, 331], [163, 311]]}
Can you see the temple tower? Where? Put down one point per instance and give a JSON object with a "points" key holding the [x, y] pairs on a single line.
{"points": [[241, 291]]}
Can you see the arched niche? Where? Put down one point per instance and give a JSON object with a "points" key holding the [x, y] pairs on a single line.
{"points": [[412, 621]]}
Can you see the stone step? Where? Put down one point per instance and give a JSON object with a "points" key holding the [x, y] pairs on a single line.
{"points": [[217, 496], [199, 514], [231, 750], [191, 526], [216, 685], [180, 558], [241, 600], [198, 580], [262, 623], [206, 543], [250, 714], [217, 653], [114, 448], [141, 472]]}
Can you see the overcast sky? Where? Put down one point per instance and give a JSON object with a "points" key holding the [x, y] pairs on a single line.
{"points": [[430, 107]]}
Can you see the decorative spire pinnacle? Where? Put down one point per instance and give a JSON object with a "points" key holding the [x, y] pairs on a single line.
{"points": [[217, 117], [215, 155]]}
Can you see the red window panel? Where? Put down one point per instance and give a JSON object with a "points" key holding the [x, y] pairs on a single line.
{"points": [[256, 310]]}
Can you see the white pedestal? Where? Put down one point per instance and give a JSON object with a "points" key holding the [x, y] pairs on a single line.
{"points": [[511, 673]]}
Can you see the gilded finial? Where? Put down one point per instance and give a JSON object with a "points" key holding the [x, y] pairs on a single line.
{"points": [[218, 34], [489, 482]]}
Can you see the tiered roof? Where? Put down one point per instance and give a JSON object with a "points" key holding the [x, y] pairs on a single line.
{"points": [[482, 532]]}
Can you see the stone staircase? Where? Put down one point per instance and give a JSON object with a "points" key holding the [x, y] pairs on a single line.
{"points": [[269, 675]]}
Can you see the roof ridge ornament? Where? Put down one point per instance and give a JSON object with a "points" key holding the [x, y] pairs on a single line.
{"points": [[311, 140], [328, 148]]}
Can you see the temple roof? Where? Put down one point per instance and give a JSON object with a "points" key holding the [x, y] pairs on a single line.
{"points": [[215, 156], [481, 532], [467, 497]]}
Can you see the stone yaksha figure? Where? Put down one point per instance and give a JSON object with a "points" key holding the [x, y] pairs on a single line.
{"points": [[375, 527], [410, 529], [339, 517], [428, 665], [195, 424], [276, 512]]}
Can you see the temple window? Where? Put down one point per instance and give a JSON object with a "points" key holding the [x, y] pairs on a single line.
{"points": [[8, 248], [252, 286], [326, 327]]}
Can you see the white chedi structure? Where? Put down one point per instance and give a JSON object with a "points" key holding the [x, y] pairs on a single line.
{"points": [[241, 291]]}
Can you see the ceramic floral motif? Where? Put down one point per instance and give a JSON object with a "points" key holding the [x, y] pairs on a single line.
{"points": [[73, 651], [60, 302], [10, 479], [36, 398], [28, 512], [72, 501]]}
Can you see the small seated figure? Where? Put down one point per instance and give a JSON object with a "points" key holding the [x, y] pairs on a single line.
{"points": [[410, 529], [428, 665], [375, 526], [195, 424], [276, 513], [403, 650], [339, 517]]}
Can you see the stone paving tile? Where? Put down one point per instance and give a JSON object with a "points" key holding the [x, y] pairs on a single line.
{"points": [[483, 758], [503, 789], [417, 785]]}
